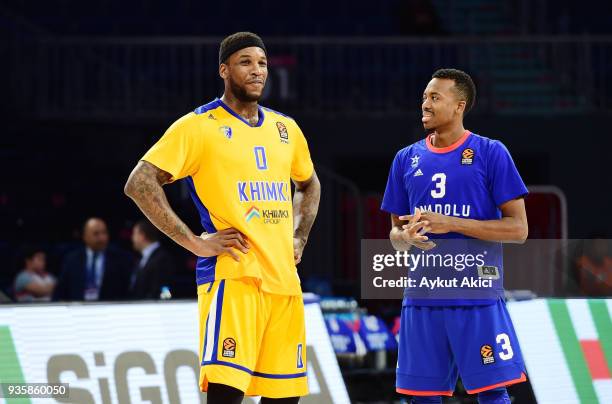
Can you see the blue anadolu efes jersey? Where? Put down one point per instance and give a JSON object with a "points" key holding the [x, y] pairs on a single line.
{"points": [[469, 179]]}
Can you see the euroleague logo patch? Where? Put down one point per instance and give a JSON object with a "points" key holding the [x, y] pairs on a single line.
{"points": [[467, 156], [229, 348], [282, 132], [486, 353]]}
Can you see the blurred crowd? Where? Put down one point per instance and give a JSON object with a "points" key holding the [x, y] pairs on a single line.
{"points": [[97, 270], [592, 268]]}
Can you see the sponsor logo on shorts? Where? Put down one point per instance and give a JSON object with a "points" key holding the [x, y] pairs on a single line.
{"points": [[467, 156], [229, 348], [486, 352]]}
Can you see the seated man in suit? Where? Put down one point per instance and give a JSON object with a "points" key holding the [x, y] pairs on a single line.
{"points": [[156, 267], [95, 271]]}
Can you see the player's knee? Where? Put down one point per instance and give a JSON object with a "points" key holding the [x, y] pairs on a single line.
{"points": [[495, 396], [426, 400]]}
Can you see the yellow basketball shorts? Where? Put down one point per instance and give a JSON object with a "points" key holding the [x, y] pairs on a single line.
{"points": [[252, 340]]}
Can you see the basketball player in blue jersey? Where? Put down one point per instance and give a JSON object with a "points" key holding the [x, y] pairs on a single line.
{"points": [[456, 186]]}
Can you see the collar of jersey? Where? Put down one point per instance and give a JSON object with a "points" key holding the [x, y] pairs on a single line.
{"points": [[232, 112], [447, 149]]}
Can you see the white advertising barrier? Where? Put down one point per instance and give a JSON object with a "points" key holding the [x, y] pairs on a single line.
{"points": [[567, 347], [132, 353]]}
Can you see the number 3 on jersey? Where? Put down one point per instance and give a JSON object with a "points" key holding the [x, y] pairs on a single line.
{"points": [[260, 158], [440, 180]]}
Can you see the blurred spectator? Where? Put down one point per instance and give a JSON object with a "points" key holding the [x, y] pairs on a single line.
{"points": [[95, 271], [34, 283], [418, 17], [155, 268], [594, 268]]}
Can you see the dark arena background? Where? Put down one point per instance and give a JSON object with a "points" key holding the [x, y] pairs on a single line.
{"points": [[88, 88]]}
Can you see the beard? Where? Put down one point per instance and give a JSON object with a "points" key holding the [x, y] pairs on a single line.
{"points": [[241, 94], [429, 130]]}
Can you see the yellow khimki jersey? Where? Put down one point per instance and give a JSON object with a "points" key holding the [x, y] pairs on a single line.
{"points": [[239, 176]]}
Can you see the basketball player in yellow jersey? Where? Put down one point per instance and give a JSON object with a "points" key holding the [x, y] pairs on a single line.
{"points": [[239, 159]]}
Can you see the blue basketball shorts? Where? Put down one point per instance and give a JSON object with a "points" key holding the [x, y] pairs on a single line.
{"points": [[439, 343]]}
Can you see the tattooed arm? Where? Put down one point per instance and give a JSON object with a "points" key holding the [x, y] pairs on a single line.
{"points": [[144, 186], [305, 207]]}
